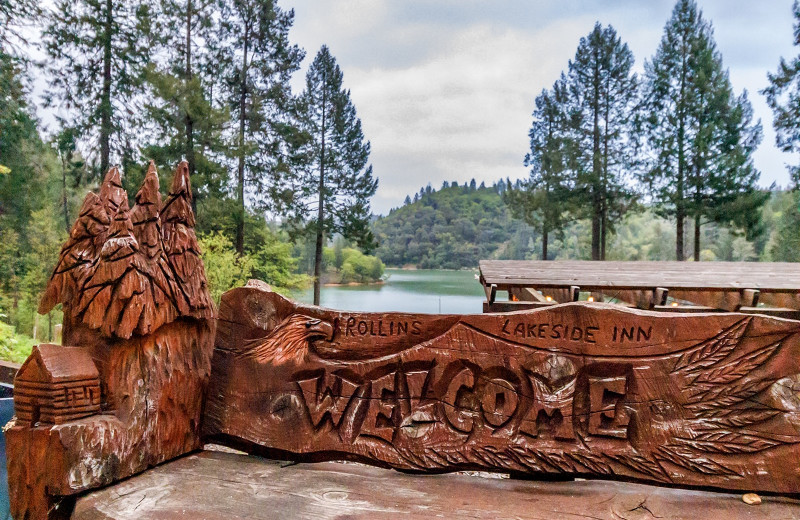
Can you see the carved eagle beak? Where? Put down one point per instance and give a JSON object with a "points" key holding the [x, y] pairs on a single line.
{"points": [[319, 329]]}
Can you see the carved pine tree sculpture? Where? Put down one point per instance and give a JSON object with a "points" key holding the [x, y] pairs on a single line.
{"points": [[135, 298]]}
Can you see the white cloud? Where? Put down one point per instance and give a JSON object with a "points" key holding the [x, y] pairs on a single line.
{"points": [[445, 89]]}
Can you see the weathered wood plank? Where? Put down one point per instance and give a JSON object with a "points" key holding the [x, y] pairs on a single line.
{"points": [[765, 276], [705, 399], [213, 485]]}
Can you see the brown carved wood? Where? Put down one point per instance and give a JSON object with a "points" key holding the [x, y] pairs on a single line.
{"points": [[709, 400], [138, 320], [214, 485]]}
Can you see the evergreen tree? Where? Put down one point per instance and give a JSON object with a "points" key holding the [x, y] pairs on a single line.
{"points": [[783, 97], [73, 168], [542, 200], [338, 174], [603, 106], [96, 53], [187, 121], [14, 13], [701, 135], [22, 179], [258, 60]]}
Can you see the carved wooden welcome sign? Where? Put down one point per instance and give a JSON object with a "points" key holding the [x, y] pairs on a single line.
{"points": [[148, 373], [577, 389]]}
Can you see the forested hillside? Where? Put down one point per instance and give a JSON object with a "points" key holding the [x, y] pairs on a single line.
{"points": [[457, 226], [451, 228]]}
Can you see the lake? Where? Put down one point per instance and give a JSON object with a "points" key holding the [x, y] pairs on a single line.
{"points": [[425, 291]]}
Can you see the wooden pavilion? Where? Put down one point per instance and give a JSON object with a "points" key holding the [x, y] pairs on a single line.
{"points": [[771, 288]]}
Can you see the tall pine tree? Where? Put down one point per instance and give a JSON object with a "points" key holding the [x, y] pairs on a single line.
{"points": [[258, 60], [701, 135], [543, 200], [783, 97], [604, 101], [337, 172], [96, 51], [186, 118]]}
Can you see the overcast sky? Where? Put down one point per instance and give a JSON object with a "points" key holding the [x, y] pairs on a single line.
{"points": [[445, 88]]}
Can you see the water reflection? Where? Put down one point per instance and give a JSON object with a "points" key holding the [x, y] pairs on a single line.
{"points": [[425, 291]]}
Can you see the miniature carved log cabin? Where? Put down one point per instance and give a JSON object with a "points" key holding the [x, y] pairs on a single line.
{"points": [[136, 303], [710, 400], [56, 385]]}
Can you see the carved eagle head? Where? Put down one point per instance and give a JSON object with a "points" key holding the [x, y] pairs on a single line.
{"points": [[290, 341]]}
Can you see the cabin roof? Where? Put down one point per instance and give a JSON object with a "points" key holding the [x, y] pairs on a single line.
{"points": [[54, 363]]}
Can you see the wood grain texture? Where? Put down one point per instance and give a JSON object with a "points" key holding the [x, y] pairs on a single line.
{"points": [[693, 400], [714, 284], [137, 309], [213, 486]]}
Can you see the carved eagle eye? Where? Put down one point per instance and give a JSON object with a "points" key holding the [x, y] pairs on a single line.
{"points": [[311, 323]]}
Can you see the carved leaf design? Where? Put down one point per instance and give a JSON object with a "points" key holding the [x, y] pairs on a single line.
{"points": [[721, 397], [640, 464], [591, 462], [729, 442], [678, 455], [734, 417], [712, 351], [736, 368]]}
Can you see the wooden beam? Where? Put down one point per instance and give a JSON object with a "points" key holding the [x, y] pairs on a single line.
{"points": [[501, 306], [748, 298], [526, 294], [491, 293]]}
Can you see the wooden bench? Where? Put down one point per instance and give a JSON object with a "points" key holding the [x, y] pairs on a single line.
{"points": [[565, 392]]}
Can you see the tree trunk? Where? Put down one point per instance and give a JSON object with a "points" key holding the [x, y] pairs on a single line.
{"points": [[321, 206], [105, 99], [242, 118], [545, 234], [697, 238], [680, 210], [605, 204], [189, 122], [596, 164], [680, 221], [64, 193]]}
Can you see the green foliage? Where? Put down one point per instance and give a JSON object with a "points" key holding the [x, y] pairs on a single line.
{"points": [[271, 262], [701, 136], [96, 54], [256, 60], [602, 106], [332, 158], [224, 268], [452, 228], [359, 268], [783, 97], [543, 200], [14, 347], [784, 241]]}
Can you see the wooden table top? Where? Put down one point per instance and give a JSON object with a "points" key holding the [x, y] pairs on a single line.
{"points": [[588, 275], [214, 485]]}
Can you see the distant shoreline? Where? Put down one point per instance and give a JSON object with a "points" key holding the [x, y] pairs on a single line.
{"points": [[349, 284]]}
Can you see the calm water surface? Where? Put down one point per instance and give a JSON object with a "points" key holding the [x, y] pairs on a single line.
{"points": [[427, 291]]}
